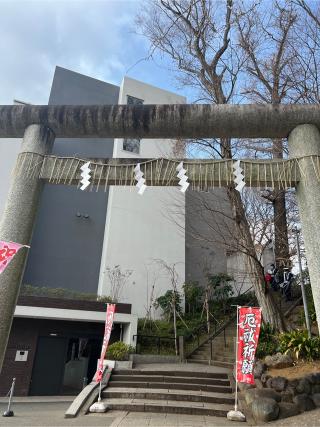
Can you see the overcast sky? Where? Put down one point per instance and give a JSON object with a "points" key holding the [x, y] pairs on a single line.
{"points": [[93, 37]]}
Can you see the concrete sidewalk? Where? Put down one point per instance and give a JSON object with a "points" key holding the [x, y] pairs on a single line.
{"points": [[50, 414], [136, 419]]}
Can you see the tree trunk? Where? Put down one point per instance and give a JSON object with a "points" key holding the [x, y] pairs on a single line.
{"points": [[270, 311], [281, 244], [207, 309]]}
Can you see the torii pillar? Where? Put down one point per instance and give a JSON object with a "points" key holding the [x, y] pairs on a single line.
{"points": [[17, 225], [304, 141]]}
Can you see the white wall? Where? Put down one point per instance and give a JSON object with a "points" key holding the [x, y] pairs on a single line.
{"points": [[138, 230], [129, 321], [9, 149]]}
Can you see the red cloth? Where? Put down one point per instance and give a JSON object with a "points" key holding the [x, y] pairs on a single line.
{"points": [[249, 322]]}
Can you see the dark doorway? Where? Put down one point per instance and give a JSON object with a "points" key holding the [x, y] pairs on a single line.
{"points": [[95, 350], [48, 368]]}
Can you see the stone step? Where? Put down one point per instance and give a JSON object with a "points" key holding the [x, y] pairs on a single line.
{"points": [[223, 358], [171, 407], [172, 386], [229, 346], [168, 379], [199, 352], [205, 355], [221, 337], [212, 362], [197, 355], [197, 360], [165, 394], [228, 365], [216, 344], [227, 353], [186, 373]]}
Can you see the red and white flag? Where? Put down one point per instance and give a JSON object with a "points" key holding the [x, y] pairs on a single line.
{"points": [[111, 308], [7, 252], [249, 322]]}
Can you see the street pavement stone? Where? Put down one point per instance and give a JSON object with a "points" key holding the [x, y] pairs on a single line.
{"points": [[136, 419], [50, 414], [306, 419]]}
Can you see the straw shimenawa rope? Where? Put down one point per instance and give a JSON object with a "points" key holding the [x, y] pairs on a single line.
{"points": [[203, 175]]}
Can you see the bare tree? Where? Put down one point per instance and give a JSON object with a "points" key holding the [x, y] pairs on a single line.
{"points": [[266, 36], [308, 33], [118, 280], [172, 274], [197, 36], [311, 8]]}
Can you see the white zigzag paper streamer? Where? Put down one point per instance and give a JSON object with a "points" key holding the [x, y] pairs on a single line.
{"points": [[183, 178], [85, 176], [239, 177], [138, 176]]}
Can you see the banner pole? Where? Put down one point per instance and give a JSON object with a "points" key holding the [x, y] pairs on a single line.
{"points": [[236, 393], [100, 386]]}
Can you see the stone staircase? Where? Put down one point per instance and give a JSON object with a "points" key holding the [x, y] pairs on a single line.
{"points": [[176, 391], [219, 351]]}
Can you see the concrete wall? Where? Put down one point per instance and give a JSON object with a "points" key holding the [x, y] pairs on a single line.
{"points": [[66, 249], [138, 229], [238, 269], [210, 244], [206, 231]]}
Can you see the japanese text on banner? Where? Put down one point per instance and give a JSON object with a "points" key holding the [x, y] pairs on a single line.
{"points": [[249, 322]]}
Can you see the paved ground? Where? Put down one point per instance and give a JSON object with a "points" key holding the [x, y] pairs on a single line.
{"points": [[49, 414], [136, 419], [307, 419]]}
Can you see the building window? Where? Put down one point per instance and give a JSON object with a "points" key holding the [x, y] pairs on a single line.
{"points": [[131, 100], [132, 144]]}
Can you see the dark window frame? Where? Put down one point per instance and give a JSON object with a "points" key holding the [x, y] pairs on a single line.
{"points": [[132, 145]]}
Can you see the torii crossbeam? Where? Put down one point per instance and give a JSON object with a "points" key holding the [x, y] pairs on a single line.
{"points": [[39, 125]]}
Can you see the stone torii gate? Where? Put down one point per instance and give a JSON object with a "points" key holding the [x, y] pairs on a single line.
{"points": [[39, 125]]}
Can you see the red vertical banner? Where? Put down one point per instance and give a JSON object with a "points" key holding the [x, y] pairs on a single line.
{"points": [[111, 308], [249, 322]]}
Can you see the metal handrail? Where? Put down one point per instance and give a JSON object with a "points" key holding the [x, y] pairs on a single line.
{"points": [[218, 332], [223, 328], [198, 329], [158, 339]]}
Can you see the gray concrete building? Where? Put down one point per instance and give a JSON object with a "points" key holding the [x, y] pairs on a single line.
{"points": [[68, 236]]}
